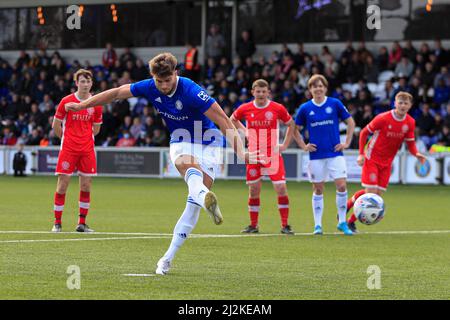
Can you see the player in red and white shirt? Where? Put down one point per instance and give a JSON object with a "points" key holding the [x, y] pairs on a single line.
{"points": [[388, 130], [77, 131], [262, 117]]}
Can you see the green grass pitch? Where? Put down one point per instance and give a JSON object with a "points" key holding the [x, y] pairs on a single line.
{"points": [[140, 215]]}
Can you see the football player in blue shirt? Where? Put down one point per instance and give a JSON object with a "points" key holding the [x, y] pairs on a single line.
{"points": [[321, 116], [195, 145]]}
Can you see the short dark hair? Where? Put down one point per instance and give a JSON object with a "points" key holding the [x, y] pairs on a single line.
{"points": [[163, 65]]}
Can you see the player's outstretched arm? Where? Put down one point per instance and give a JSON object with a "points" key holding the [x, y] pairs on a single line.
{"points": [[239, 126], [122, 92]]}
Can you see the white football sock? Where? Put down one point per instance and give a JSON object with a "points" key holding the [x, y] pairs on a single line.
{"points": [[341, 204], [197, 190], [317, 204], [183, 228]]}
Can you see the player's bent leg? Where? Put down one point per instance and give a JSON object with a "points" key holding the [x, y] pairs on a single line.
{"points": [[59, 200], [193, 175]]}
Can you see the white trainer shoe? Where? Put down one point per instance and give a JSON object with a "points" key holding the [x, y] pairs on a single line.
{"points": [[163, 266], [212, 207]]}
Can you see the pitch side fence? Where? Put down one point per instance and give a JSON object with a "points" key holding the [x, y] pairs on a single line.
{"points": [[155, 163]]}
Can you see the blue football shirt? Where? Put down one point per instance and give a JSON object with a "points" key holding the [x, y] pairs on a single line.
{"points": [[322, 123], [183, 111]]}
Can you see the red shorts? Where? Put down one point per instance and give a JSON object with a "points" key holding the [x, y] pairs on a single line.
{"points": [[375, 175], [69, 162], [275, 170]]}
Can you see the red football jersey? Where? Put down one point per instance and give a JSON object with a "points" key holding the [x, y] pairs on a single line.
{"points": [[262, 125], [77, 134], [389, 132]]}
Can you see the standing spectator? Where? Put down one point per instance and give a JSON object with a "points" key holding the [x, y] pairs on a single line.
{"points": [[383, 59], [109, 56], [191, 65], [127, 55], [442, 55], [19, 162], [245, 46], [395, 55], [409, 51], [371, 70], [215, 43]]}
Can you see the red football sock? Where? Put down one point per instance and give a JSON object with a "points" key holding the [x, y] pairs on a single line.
{"points": [[352, 200], [283, 207], [85, 198], [59, 206], [253, 209]]}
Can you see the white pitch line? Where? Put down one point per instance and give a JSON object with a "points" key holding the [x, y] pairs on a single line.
{"points": [[139, 275], [218, 235], [80, 239], [166, 236]]}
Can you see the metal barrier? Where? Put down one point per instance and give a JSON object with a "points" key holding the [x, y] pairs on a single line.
{"points": [[155, 162]]}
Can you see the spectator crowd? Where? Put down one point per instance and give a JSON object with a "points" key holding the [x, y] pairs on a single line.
{"points": [[365, 81]]}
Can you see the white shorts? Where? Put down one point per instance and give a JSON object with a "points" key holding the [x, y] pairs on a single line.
{"points": [[320, 170], [209, 157]]}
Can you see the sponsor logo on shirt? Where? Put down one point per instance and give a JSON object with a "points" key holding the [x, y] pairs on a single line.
{"points": [[81, 117], [158, 100], [203, 95], [260, 123], [397, 135], [322, 123], [172, 117], [311, 113]]}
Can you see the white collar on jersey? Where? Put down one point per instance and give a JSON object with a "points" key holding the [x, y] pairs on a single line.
{"points": [[264, 106], [320, 104], [397, 118], [79, 99], [175, 90]]}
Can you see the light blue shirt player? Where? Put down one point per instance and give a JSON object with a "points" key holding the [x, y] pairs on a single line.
{"points": [[322, 122], [183, 111]]}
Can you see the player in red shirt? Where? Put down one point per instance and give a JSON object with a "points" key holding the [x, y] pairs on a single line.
{"points": [[388, 130], [76, 130], [262, 116]]}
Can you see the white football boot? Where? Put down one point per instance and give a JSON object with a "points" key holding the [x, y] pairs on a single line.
{"points": [[163, 266]]}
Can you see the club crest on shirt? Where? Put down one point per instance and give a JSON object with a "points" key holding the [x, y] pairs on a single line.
{"points": [[328, 110], [405, 128], [90, 111], [178, 105], [269, 115]]}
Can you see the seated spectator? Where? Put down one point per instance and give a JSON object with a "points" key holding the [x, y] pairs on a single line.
{"points": [[126, 141], [404, 68], [426, 124], [159, 138], [441, 92]]}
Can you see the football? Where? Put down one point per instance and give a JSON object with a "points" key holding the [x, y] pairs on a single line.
{"points": [[369, 208]]}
